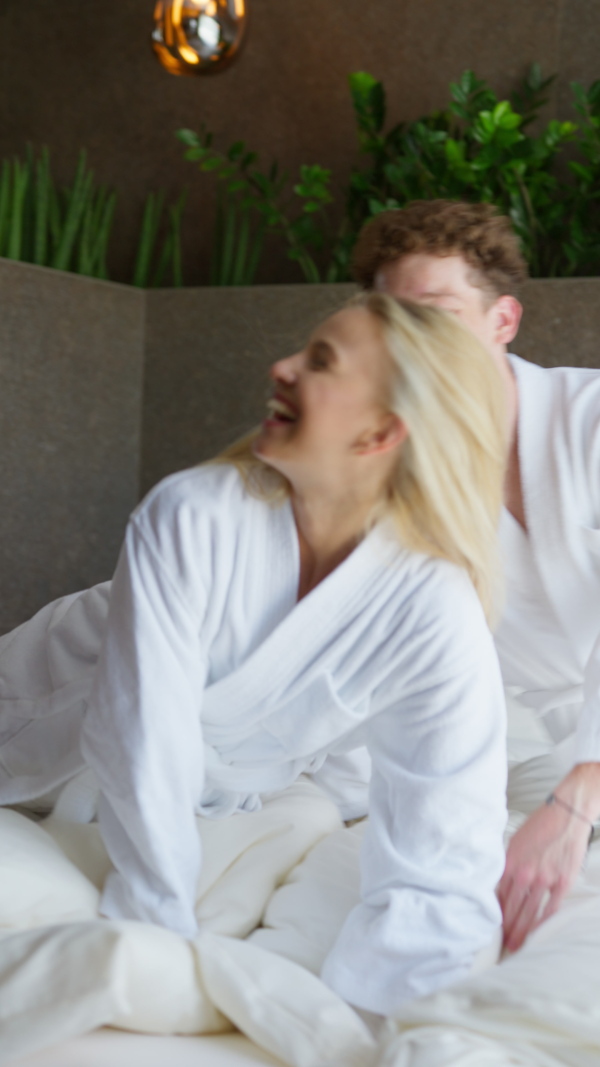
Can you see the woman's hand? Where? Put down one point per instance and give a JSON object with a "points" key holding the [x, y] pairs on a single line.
{"points": [[546, 854]]}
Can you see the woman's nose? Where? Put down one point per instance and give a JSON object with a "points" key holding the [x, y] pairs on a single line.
{"points": [[285, 370]]}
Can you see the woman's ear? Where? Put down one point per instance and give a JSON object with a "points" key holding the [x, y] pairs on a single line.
{"points": [[390, 433]]}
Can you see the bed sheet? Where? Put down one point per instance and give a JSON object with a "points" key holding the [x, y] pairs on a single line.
{"points": [[538, 1008], [112, 1048]]}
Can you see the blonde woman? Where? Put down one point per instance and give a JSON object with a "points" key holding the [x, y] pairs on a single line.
{"points": [[321, 587]]}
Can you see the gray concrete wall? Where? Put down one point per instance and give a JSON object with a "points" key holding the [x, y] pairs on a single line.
{"points": [[81, 441], [207, 356], [561, 323], [70, 420], [81, 73], [208, 351]]}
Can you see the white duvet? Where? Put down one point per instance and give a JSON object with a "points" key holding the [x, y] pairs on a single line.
{"points": [[293, 869]]}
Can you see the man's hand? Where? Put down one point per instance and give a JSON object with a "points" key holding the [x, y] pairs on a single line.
{"points": [[545, 855]]}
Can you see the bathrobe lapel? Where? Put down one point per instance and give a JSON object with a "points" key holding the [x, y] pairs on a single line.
{"points": [[290, 670], [553, 501]]}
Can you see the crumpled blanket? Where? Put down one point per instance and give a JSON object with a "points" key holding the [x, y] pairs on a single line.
{"points": [[276, 886]]}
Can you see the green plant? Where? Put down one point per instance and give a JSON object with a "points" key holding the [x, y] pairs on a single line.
{"points": [[254, 203], [476, 149], [151, 266], [69, 228], [65, 228], [581, 243]]}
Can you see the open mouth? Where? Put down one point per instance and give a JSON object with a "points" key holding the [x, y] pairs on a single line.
{"points": [[280, 410]]}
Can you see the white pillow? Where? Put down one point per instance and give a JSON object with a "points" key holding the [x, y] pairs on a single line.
{"points": [[38, 884], [282, 1007]]}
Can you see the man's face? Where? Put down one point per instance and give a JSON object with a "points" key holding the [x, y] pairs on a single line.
{"points": [[446, 282]]}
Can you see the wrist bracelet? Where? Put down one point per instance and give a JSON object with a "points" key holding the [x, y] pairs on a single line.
{"points": [[553, 799]]}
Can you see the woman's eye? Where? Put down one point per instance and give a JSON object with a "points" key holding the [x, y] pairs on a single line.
{"points": [[320, 356], [318, 363]]}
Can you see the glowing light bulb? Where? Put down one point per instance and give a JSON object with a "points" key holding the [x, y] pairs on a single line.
{"points": [[198, 36]]}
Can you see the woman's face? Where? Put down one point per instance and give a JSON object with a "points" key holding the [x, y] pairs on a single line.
{"points": [[328, 405]]}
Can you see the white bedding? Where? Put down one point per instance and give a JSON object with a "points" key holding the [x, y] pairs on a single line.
{"points": [[64, 972], [110, 1048]]}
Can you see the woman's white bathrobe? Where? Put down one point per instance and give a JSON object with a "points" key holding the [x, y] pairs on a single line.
{"points": [[213, 685], [549, 638]]}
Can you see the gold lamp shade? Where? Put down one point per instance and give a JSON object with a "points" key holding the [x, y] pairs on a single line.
{"points": [[198, 36]]}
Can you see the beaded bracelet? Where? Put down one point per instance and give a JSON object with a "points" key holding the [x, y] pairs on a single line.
{"points": [[553, 799]]}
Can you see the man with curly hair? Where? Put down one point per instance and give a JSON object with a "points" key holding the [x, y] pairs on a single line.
{"points": [[465, 258]]}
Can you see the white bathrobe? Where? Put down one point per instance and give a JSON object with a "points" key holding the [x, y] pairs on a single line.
{"points": [[213, 685], [549, 637]]}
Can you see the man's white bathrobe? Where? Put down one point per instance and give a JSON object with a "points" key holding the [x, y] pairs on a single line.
{"points": [[213, 685], [549, 637]]}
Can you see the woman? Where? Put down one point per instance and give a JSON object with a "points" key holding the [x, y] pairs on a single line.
{"points": [[317, 589]]}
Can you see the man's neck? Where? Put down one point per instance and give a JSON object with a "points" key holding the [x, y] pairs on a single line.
{"points": [[513, 489]]}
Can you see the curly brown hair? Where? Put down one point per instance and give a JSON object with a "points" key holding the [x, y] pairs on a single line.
{"points": [[477, 232]]}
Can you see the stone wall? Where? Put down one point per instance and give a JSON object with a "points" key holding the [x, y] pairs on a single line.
{"points": [[208, 350], [105, 389], [71, 361]]}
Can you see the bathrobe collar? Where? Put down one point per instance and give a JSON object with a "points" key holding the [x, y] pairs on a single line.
{"points": [[551, 507], [277, 670]]}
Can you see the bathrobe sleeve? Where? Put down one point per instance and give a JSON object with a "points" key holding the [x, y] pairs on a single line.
{"points": [[559, 450], [142, 733], [432, 853], [345, 779], [587, 738], [583, 481]]}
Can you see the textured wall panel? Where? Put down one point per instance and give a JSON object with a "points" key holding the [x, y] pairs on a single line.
{"points": [[207, 354], [70, 386], [71, 355], [207, 351]]}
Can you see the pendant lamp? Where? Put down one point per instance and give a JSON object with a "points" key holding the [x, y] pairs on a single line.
{"points": [[198, 36]]}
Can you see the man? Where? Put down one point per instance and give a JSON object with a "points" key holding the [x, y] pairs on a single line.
{"points": [[465, 258]]}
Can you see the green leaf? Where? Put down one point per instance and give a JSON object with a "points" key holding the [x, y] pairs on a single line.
{"points": [[212, 163], [19, 189], [455, 151], [175, 216], [188, 137], [5, 203], [585, 173], [77, 197], [195, 154], [236, 151], [368, 98], [153, 210], [43, 182]]}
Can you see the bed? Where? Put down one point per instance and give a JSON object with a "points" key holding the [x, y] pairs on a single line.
{"points": [[78, 991]]}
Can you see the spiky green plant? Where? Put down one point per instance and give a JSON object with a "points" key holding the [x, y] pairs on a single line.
{"points": [[68, 228], [154, 266]]}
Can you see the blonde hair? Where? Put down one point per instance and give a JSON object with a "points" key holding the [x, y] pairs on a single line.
{"points": [[445, 493]]}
